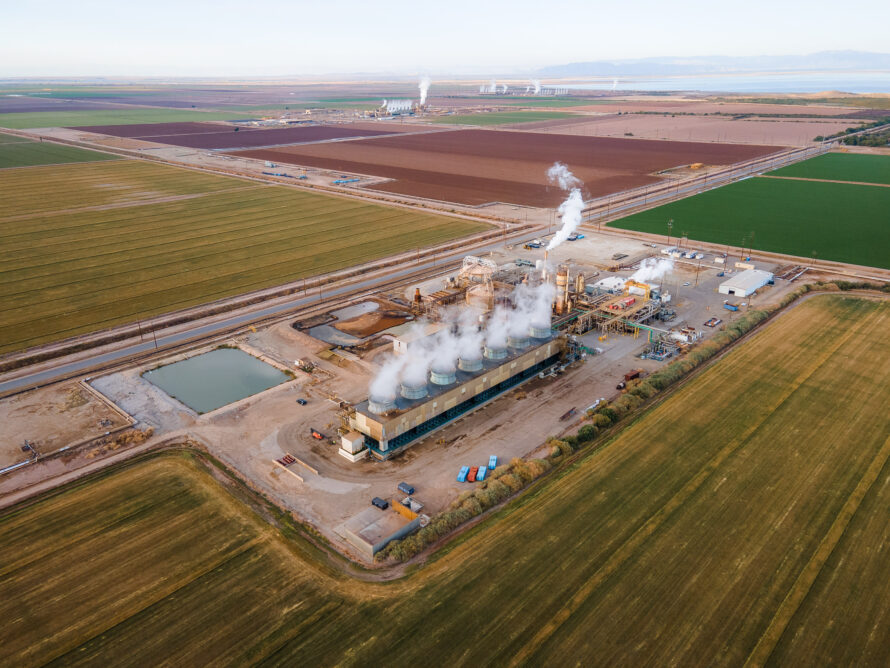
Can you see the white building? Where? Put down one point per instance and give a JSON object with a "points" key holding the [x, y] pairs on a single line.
{"points": [[745, 283]]}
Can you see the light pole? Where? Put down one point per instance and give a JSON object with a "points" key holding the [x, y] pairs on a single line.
{"points": [[670, 225]]}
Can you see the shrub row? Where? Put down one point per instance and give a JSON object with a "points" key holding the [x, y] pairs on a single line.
{"points": [[506, 481]]}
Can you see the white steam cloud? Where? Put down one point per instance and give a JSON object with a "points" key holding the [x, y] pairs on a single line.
{"points": [[614, 84], [463, 337], [537, 85], [652, 270], [397, 106], [562, 176], [570, 209], [424, 87]]}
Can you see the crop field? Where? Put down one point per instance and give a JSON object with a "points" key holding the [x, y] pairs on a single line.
{"points": [[852, 167], [479, 166], [88, 246], [745, 516], [219, 136], [835, 221], [21, 152], [57, 119], [500, 117]]}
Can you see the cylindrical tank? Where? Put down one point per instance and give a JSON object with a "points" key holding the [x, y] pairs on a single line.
{"points": [[539, 331], [413, 391], [495, 353], [443, 375], [517, 341], [580, 283], [470, 364], [562, 286], [381, 405]]}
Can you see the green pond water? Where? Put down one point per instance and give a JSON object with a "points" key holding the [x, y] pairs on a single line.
{"points": [[208, 381]]}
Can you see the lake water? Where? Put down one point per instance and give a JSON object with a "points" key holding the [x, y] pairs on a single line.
{"points": [[787, 82], [211, 380]]}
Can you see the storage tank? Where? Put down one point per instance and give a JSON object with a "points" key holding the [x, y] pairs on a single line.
{"points": [[517, 341], [470, 364], [580, 284], [414, 390], [381, 404], [444, 375], [539, 331], [494, 353], [562, 288]]}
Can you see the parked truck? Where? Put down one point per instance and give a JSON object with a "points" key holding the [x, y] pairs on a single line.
{"points": [[629, 376]]}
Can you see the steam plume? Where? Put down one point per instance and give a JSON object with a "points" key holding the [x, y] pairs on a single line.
{"points": [[570, 209], [562, 176], [537, 85], [424, 86], [652, 270], [463, 338]]}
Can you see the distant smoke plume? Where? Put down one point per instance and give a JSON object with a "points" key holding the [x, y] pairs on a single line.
{"points": [[537, 85], [396, 106], [424, 87], [504, 92], [652, 270], [383, 106], [462, 337], [614, 84]]}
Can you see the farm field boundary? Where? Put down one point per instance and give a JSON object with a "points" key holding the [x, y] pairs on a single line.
{"points": [[57, 119], [18, 151], [168, 238], [792, 217], [680, 537], [840, 167]]}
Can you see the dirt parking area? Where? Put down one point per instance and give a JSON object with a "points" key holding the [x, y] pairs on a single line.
{"points": [[52, 418]]}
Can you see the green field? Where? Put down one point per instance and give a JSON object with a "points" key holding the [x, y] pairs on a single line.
{"points": [[88, 246], [57, 119], [838, 221], [855, 167], [500, 117], [21, 152], [551, 102], [744, 516]]}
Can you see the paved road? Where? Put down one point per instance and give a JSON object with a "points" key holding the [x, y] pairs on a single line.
{"points": [[101, 360]]}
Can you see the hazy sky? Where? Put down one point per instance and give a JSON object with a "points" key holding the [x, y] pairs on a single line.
{"points": [[259, 37]]}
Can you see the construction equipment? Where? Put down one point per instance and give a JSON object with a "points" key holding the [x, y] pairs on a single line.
{"points": [[317, 435]]}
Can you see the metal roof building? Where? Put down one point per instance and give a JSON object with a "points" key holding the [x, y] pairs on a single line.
{"points": [[745, 283]]}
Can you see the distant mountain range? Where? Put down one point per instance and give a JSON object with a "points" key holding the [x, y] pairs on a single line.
{"points": [[822, 61]]}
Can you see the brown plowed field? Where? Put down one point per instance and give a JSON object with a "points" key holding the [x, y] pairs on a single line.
{"points": [[143, 130], [480, 166], [217, 136]]}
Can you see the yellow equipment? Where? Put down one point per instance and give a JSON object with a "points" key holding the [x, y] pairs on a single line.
{"points": [[647, 291]]}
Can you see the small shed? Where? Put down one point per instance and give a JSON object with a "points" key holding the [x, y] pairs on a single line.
{"points": [[745, 283]]}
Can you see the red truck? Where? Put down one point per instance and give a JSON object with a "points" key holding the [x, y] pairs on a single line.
{"points": [[629, 376]]}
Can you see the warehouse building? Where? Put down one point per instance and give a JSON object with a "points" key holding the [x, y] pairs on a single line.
{"points": [[746, 283], [389, 425]]}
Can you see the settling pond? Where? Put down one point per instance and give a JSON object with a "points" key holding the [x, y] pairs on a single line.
{"points": [[211, 380]]}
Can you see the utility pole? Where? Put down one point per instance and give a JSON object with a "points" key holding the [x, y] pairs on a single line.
{"points": [[670, 225]]}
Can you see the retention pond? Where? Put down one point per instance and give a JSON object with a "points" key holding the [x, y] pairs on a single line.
{"points": [[211, 380]]}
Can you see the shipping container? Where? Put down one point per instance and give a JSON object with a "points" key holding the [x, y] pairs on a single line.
{"points": [[730, 307], [406, 488], [380, 503], [480, 474], [462, 476], [493, 462], [471, 476]]}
